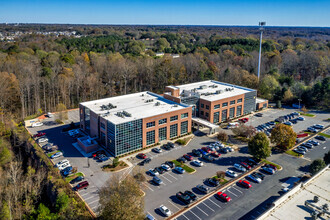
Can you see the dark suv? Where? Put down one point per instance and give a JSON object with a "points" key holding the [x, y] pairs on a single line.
{"points": [[212, 182], [183, 197]]}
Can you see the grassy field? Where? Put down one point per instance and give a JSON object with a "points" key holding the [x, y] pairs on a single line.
{"points": [[110, 167], [188, 169], [292, 153], [71, 177], [307, 114], [51, 153], [268, 162], [324, 135]]}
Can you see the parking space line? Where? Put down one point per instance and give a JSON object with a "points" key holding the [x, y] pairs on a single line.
{"points": [[83, 194], [89, 203], [232, 193], [185, 216], [207, 206], [167, 179], [89, 197], [172, 176], [215, 203], [174, 205], [237, 190], [151, 215], [195, 215], [148, 186], [95, 206], [201, 210]]}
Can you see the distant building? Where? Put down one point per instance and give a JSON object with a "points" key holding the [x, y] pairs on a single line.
{"points": [[261, 103], [130, 122]]}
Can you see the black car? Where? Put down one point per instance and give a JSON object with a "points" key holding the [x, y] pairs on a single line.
{"points": [[252, 161], [183, 197], [182, 159], [191, 195], [166, 147], [321, 138], [141, 163], [249, 163], [258, 115], [170, 164], [170, 144], [260, 175], [147, 160], [160, 170], [208, 158], [197, 153], [77, 179], [212, 182]]}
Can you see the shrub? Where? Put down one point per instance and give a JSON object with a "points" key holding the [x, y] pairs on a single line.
{"points": [[244, 131], [222, 136], [58, 121], [115, 162], [181, 141], [221, 174]]}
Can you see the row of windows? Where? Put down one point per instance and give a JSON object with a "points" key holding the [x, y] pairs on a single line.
{"points": [[206, 106], [174, 118], [150, 137], [225, 104], [224, 114], [184, 115], [164, 120], [151, 124]]}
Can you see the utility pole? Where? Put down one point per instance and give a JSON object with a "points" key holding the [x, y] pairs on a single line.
{"points": [[299, 103], [261, 28]]}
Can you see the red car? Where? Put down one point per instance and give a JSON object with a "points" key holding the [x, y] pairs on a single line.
{"points": [[244, 120], [244, 183], [245, 165], [97, 153], [215, 154], [223, 196], [207, 150], [40, 134], [142, 156], [188, 157], [272, 166], [82, 185]]}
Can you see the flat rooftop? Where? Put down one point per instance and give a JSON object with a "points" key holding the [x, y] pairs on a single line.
{"points": [[211, 90], [293, 207], [132, 107]]}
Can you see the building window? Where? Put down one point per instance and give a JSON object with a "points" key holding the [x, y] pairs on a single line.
{"points": [[102, 138], [216, 117], [151, 124], [239, 100], [202, 105], [184, 115], [224, 115], [174, 118], [232, 112], [202, 113], [150, 137], [102, 125], [207, 107], [225, 104], [162, 133], [206, 114], [174, 130], [128, 137], [239, 111], [232, 102], [265, 105], [184, 127], [217, 106], [162, 121]]}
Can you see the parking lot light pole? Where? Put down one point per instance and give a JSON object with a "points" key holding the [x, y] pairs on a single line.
{"points": [[299, 100], [261, 28]]}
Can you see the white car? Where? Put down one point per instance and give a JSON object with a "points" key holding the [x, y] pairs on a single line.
{"points": [[231, 173], [56, 155], [153, 172], [239, 167], [157, 150], [230, 149], [62, 162], [211, 148], [42, 140], [163, 209], [197, 163], [165, 167], [37, 124], [63, 166], [219, 144], [49, 114]]}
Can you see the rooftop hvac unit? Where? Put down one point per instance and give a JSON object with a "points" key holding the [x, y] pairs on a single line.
{"points": [[175, 105], [157, 104], [218, 91], [125, 113], [203, 86]]}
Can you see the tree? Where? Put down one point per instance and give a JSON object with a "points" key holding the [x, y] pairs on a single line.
{"points": [[259, 146], [244, 131], [316, 166], [326, 157], [283, 136], [121, 199], [63, 113], [304, 109], [222, 136]]}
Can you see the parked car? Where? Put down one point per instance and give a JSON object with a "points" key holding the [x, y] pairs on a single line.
{"points": [[288, 123], [315, 143], [197, 163], [215, 154], [245, 165], [302, 148], [163, 209], [67, 171], [160, 170], [57, 154], [239, 167], [166, 147], [272, 166], [321, 138], [165, 167], [182, 159], [179, 170], [170, 144], [299, 151], [202, 188], [260, 175], [212, 182], [97, 153], [188, 157], [142, 156], [157, 180], [82, 185], [231, 173], [102, 158], [77, 179], [301, 118], [202, 152], [223, 196], [40, 134], [157, 150], [37, 124], [230, 149], [63, 166], [42, 140], [62, 162], [170, 164], [318, 126], [183, 197], [254, 178], [244, 120], [152, 172], [191, 195], [208, 158], [268, 170], [207, 150], [149, 217], [311, 129], [197, 153], [272, 123], [259, 115], [245, 183]]}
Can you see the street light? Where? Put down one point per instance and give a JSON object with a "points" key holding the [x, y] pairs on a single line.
{"points": [[261, 28], [299, 100]]}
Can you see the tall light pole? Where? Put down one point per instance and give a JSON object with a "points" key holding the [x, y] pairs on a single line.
{"points": [[261, 28], [299, 103]]}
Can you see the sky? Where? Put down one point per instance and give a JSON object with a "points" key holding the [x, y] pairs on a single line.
{"points": [[168, 12]]}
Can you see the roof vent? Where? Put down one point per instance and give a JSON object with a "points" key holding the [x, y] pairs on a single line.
{"points": [[157, 104], [125, 113]]}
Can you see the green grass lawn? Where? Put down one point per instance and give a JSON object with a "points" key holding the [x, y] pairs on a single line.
{"points": [[51, 153], [324, 135], [221, 180], [307, 114], [268, 162], [292, 153], [71, 177], [188, 169]]}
